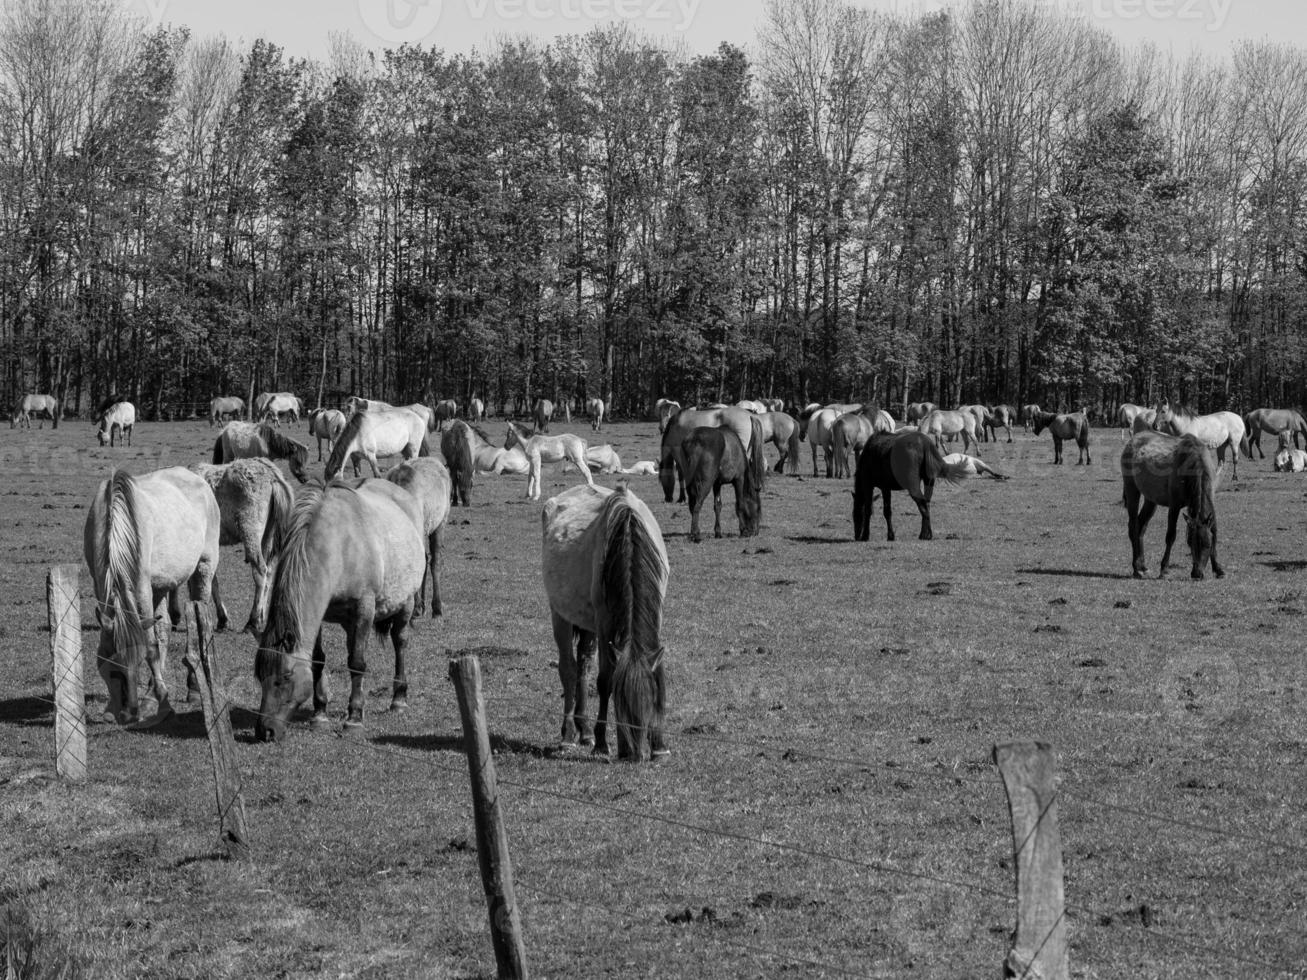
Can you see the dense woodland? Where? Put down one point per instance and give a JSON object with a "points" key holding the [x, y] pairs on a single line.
{"points": [[996, 203]]}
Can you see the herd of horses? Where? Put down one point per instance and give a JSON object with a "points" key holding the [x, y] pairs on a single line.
{"points": [[363, 552]]}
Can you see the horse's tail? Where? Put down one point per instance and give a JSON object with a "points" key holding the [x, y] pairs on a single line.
{"points": [[1082, 431], [634, 579], [456, 447], [119, 564], [218, 451], [935, 467], [756, 471], [340, 452], [281, 506], [792, 450], [839, 448]]}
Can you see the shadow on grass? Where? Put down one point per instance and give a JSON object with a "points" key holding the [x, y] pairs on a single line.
{"points": [[1073, 573], [813, 539], [499, 744], [26, 711], [1286, 566]]}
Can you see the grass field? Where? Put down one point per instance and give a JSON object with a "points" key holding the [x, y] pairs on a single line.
{"points": [[829, 807]]}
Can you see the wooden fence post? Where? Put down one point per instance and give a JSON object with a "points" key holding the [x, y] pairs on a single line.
{"points": [[492, 841], [63, 601], [1039, 951], [222, 744]]}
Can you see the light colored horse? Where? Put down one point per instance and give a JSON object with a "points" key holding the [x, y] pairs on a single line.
{"points": [[645, 467], [1000, 415], [352, 556], [1072, 425], [546, 449], [818, 432], [605, 573], [224, 408], [1290, 460], [117, 422], [972, 466], [594, 407], [1126, 415], [600, 459], [541, 413], [752, 405], [1028, 413], [357, 403], [773, 404], [981, 412], [385, 432], [671, 461], [476, 409], [243, 440], [252, 495], [1277, 421], [783, 431], [1218, 431], [941, 423], [665, 408], [849, 432], [273, 405], [428, 481], [326, 423], [43, 406], [144, 538]]}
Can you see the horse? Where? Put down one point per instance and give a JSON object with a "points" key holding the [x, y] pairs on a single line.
{"points": [[1126, 415], [1028, 413], [645, 467], [541, 413], [351, 556], [783, 431], [242, 440], [272, 405], [849, 432], [116, 420], [326, 423], [908, 460], [44, 406], [1178, 472], [671, 460], [356, 403], [546, 449], [917, 411], [600, 459], [752, 405], [427, 479], [476, 409], [251, 494], [1274, 420], [146, 536], [605, 572], [715, 455], [1217, 430], [773, 404], [594, 407], [817, 431], [942, 422], [981, 413], [665, 409], [1000, 415], [1290, 460], [1067, 426], [468, 451], [387, 432], [224, 408], [446, 411], [973, 466]]}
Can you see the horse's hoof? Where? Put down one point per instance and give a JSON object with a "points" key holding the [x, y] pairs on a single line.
{"points": [[1219, 573], [660, 753], [320, 722], [1139, 572], [351, 725], [587, 740], [1196, 575], [399, 704]]}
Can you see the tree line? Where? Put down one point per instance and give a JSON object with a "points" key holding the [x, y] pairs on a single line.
{"points": [[993, 203]]}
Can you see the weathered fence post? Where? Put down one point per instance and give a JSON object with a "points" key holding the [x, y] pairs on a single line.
{"points": [[1039, 951], [222, 744], [63, 600], [492, 841]]}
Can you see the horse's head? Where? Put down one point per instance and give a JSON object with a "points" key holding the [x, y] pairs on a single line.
{"points": [[1201, 535], [125, 645], [287, 682], [298, 460], [748, 508]]}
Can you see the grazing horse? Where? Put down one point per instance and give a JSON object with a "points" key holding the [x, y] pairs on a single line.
{"points": [[145, 537], [917, 411], [541, 413], [546, 449], [476, 409], [1000, 415], [1276, 421], [116, 419], [671, 460], [594, 407], [1126, 415], [224, 408], [605, 573], [446, 411], [251, 494], [352, 556], [715, 455], [242, 440], [909, 461], [941, 422], [1179, 473], [272, 406], [326, 423], [1218, 430], [388, 432], [427, 479], [1069, 426], [44, 406], [665, 409], [783, 431], [1290, 460]]}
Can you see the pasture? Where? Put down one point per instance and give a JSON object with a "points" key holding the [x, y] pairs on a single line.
{"points": [[829, 806]]}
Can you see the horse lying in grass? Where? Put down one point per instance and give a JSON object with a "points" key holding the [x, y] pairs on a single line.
{"points": [[714, 455], [1290, 460], [605, 572], [1179, 473], [1074, 425], [351, 556], [908, 460], [245, 440], [973, 466], [600, 459]]}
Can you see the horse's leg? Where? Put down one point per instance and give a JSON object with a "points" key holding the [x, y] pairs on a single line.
{"points": [[717, 508], [434, 540], [923, 507], [583, 466], [814, 458], [1138, 525], [321, 692], [694, 503], [885, 509], [604, 684], [533, 478], [356, 642], [564, 634], [1217, 569], [372, 462], [1057, 450], [1172, 516], [399, 640]]}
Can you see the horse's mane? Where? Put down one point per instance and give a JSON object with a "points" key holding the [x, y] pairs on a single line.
{"points": [[118, 557], [480, 432], [340, 452], [525, 432], [1197, 478], [632, 575], [288, 540], [108, 403]]}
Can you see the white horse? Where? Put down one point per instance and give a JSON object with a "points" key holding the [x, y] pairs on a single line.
{"points": [[645, 467], [117, 422], [272, 405], [940, 423], [144, 538], [752, 405], [965, 465], [252, 494], [600, 459], [357, 403], [389, 432], [1218, 430], [427, 479], [605, 573], [224, 408], [1126, 415], [594, 407], [326, 423], [547, 449], [476, 409], [1290, 461], [45, 406]]}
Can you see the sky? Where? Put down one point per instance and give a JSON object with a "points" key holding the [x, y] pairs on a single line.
{"points": [[302, 27]]}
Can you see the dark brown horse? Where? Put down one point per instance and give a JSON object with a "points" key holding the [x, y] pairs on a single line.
{"points": [[1178, 472], [908, 461], [457, 443], [1072, 426], [714, 455]]}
